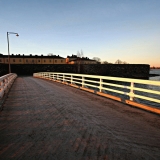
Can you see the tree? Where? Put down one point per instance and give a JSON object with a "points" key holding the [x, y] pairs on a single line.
{"points": [[118, 61], [80, 54], [105, 62], [97, 59], [125, 62], [121, 62]]}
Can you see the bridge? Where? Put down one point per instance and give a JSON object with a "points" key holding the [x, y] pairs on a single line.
{"points": [[76, 118]]}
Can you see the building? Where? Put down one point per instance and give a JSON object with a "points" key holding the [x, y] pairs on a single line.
{"points": [[74, 59], [30, 59]]}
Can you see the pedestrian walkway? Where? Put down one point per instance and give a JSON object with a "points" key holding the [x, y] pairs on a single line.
{"points": [[48, 120]]}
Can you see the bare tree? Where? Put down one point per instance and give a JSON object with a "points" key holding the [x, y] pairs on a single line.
{"points": [[125, 62], [121, 62], [80, 54], [118, 62], [105, 62]]}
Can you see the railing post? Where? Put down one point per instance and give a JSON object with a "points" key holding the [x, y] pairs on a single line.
{"points": [[8, 79], [100, 85], [63, 78], [48, 76], [57, 77], [131, 95], [71, 79], [83, 81], [5, 83], [51, 76]]}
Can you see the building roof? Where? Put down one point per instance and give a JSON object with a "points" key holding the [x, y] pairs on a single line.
{"points": [[83, 60], [73, 56], [79, 58], [31, 56]]}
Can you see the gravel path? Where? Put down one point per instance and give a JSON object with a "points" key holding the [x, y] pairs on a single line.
{"points": [[47, 120]]}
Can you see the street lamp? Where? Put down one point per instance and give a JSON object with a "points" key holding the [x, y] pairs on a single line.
{"points": [[8, 49]]}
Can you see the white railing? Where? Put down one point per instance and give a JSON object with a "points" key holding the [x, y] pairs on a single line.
{"points": [[5, 82], [132, 88]]}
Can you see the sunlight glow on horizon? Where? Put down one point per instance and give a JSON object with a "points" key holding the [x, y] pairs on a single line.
{"points": [[110, 30]]}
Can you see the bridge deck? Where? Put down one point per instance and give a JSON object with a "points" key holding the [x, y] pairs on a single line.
{"points": [[47, 120]]}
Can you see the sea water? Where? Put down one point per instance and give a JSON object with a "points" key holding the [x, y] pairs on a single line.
{"points": [[151, 87]]}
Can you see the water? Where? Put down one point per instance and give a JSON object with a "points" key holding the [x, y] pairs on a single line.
{"points": [[155, 71], [150, 87]]}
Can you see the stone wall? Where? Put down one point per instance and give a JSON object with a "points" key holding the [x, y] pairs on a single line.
{"points": [[116, 70]]}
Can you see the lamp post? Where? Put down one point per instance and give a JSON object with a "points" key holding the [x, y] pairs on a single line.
{"points": [[8, 49]]}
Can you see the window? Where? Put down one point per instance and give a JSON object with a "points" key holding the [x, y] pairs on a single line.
{"points": [[6, 60], [0, 60], [20, 60], [44, 60], [38, 60], [26, 60], [13, 60], [61, 60], [55, 61], [32, 60], [50, 61]]}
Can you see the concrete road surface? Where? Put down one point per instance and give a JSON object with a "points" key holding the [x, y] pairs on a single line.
{"points": [[48, 120]]}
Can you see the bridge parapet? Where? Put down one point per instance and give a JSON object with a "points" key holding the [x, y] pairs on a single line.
{"points": [[132, 90], [5, 82]]}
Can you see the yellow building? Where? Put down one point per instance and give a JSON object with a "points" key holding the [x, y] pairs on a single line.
{"points": [[24, 59]]}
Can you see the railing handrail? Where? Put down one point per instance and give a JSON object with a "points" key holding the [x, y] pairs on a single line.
{"points": [[5, 82], [151, 82], [3, 77], [130, 89]]}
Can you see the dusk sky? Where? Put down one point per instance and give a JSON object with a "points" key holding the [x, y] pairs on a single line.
{"points": [[128, 30]]}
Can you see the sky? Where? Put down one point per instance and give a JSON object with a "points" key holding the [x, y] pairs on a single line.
{"points": [[128, 30]]}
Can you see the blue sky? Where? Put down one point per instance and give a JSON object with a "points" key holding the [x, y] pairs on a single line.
{"points": [[128, 30]]}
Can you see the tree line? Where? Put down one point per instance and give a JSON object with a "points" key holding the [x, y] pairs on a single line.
{"points": [[106, 62]]}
